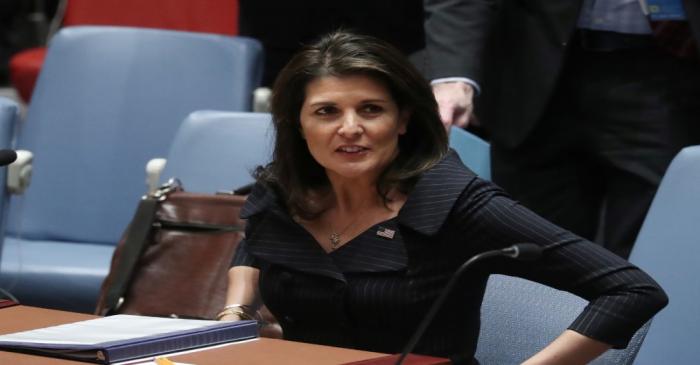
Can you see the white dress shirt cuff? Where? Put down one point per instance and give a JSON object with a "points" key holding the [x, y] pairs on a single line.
{"points": [[471, 82]]}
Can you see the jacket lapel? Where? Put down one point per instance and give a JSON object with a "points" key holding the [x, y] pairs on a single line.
{"points": [[380, 249], [432, 198]]}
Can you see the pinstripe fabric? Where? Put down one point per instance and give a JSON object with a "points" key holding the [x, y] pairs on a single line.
{"points": [[371, 293]]}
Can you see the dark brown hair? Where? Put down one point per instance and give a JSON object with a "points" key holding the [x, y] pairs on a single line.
{"points": [[293, 172]]}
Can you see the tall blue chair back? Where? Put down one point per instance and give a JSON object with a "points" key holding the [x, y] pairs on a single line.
{"points": [[216, 150], [9, 116], [668, 248], [520, 317], [472, 150], [107, 100]]}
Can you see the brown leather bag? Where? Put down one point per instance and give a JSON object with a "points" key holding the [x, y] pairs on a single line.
{"points": [[174, 257]]}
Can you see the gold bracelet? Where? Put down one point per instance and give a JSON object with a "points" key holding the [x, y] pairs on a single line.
{"points": [[242, 310], [239, 313], [243, 307], [248, 310]]}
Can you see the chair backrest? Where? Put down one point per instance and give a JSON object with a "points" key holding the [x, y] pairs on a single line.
{"points": [[668, 248], [474, 151], [217, 150], [209, 16], [9, 116], [520, 317], [107, 100]]}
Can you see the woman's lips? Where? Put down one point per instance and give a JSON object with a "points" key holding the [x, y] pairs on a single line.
{"points": [[351, 149]]}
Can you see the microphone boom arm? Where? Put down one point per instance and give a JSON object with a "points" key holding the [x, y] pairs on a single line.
{"points": [[522, 251]]}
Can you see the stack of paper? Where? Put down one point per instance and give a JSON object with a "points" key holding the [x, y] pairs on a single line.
{"points": [[125, 337]]}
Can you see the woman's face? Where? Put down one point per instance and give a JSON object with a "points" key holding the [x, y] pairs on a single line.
{"points": [[351, 125]]}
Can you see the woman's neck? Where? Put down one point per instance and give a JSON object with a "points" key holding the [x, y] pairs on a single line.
{"points": [[348, 208], [353, 197]]}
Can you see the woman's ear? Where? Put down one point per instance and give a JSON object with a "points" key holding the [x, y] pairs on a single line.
{"points": [[300, 129], [404, 118]]}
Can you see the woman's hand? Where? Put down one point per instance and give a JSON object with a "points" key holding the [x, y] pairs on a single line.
{"points": [[571, 348]]}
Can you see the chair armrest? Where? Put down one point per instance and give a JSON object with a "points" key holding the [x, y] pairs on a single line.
{"points": [[19, 173], [261, 100], [154, 167]]}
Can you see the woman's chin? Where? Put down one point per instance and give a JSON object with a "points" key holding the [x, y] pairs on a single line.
{"points": [[357, 173]]}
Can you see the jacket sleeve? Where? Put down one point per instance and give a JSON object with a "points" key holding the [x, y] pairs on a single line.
{"points": [[621, 296], [456, 34], [242, 257]]}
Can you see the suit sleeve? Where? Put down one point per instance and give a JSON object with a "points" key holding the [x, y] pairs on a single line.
{"points": [[242, 257], [621, 296], [456, 34]]}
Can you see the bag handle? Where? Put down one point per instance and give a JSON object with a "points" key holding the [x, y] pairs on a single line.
{"points": [[134, 244]]}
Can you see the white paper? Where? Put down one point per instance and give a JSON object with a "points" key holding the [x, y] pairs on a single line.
{"points": [[105, 329]]}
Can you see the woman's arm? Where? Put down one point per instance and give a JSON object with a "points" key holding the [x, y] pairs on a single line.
{"points": [[242, 290], [622, 297], [571, 348]]}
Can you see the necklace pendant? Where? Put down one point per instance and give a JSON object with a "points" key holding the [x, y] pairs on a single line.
{"points": [[335, 239]]}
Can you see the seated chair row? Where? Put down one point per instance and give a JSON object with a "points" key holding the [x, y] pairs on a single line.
{"points": [[214, 150], [107, 100], [208, 16], [61, 233]]}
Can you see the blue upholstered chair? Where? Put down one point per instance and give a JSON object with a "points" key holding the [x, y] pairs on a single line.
{"points": [[9, 116], [668, 248], [473, 151], [107, 100], [217, 150]]}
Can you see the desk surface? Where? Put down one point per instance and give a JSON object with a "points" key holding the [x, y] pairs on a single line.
{"points": [[261, 351]]}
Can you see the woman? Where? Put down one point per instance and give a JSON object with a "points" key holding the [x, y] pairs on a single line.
{"points": [[364, 213]]}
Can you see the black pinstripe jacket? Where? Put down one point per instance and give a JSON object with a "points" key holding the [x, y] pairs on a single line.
{"points": [[371, 293]]}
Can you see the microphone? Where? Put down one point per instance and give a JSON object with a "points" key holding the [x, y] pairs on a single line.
{"points": [[7, 157], [519, 251]]}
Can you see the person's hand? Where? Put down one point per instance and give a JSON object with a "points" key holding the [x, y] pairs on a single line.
{"points": [[570, 348], [455, 102]]}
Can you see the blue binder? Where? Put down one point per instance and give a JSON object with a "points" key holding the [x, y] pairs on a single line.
{"points": [[202, 334]]}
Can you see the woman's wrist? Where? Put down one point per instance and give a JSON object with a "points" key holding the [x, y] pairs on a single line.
{"points": [[238, 312], [228, 317]]}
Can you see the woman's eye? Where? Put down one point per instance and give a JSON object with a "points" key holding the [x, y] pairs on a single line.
{"points": [[326, 110], [372, 109]]}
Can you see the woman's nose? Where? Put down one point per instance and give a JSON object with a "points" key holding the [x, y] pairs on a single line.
{"points": [[350, 126]]}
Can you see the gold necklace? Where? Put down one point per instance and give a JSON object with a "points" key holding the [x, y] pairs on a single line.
{"points": [[334, 237]]}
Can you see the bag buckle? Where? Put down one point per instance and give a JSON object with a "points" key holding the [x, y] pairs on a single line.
{"points": [[162, 192]]}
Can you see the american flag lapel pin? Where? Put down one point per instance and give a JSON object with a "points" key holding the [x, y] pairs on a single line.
{"points": [[386, 232]]}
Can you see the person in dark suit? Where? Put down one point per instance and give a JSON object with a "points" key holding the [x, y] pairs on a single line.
{"points": [[584, 102], [364, 214]]}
